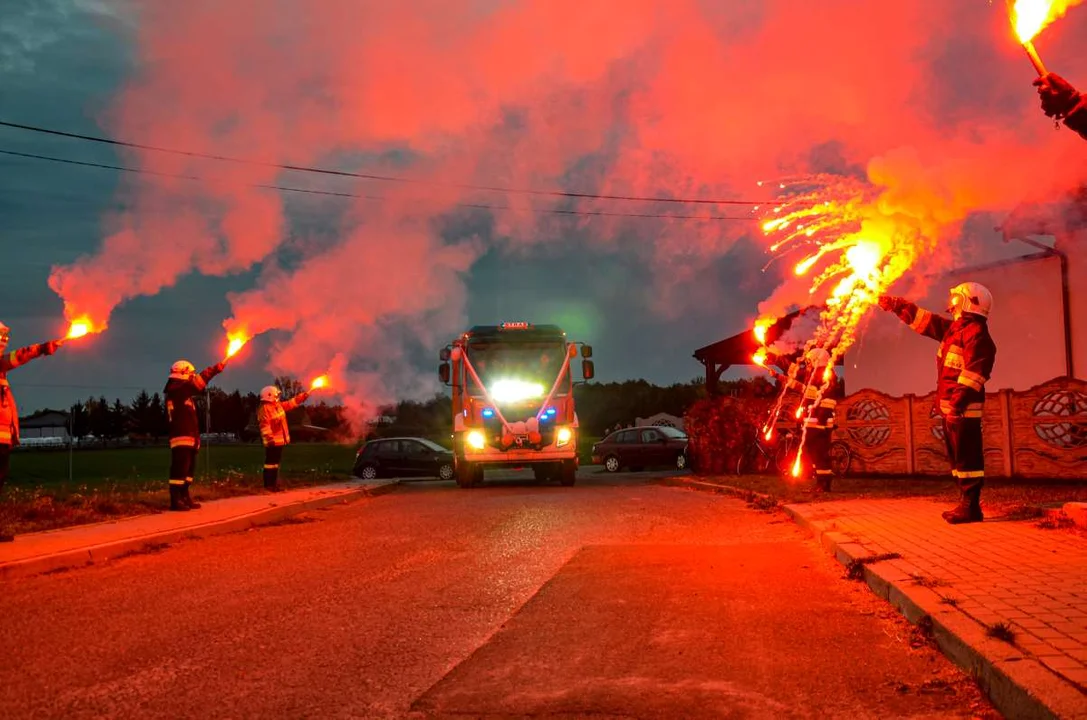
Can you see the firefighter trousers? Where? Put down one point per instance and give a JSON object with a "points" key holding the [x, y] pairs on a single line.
{"points": [[5, 464], [818, 447], [182, 465], [966, 453], [273, 455]]}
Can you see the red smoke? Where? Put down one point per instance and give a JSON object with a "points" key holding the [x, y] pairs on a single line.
{"points": [[687, 98]]}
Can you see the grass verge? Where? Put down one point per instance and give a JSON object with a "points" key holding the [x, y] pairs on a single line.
{"points": [[108, 484]]}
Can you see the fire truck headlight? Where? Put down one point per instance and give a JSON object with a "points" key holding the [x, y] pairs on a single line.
{"points": [[563, 436], [476, 441]]}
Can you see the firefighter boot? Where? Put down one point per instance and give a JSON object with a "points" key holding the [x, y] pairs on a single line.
{"points": [[968, 510], [176, 502], [271, 480], [187, 498]]}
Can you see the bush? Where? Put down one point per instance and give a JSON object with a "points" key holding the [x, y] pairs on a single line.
{"points": [[720, 429]]}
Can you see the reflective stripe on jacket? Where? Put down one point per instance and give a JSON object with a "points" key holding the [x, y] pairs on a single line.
{"points": [[272, 417], [816, 411], [181, 408], [964, 360]]}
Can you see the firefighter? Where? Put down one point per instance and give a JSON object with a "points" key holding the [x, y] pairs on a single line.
{"points": [[9, 412], [272, 416], [964, 364], [1062, 101], [184, 385], [818, 389]]}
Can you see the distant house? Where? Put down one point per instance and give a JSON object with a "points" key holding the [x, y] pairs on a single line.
{"points": [[660, 420], [44, 424]]}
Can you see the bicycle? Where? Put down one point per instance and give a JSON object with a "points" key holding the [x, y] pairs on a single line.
{"points": [[841, 458], [760, 455]]}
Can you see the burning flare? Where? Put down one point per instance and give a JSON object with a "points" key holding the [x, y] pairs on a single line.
{"points": [[80, 327], [236, 342], [1030, 17], [759, 357], [319, 382]]}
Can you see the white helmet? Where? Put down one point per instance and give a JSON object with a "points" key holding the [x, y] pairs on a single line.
{"points": [[970, 297], [817, 357], [182, 370], [269, 394]]}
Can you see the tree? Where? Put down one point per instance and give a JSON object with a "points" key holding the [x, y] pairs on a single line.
{"points": [[80, 420], [142, 415], [118, 420], [159, 420], [98, 420], [288, 386]]}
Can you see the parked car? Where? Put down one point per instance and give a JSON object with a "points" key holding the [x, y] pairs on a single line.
{"points": [[642, 447], [403, 457]]}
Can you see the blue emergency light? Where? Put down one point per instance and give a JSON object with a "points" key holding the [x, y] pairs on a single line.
{"points": [[488, 412]]}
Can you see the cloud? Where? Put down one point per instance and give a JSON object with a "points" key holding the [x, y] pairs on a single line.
{"points": [[694, 99]]}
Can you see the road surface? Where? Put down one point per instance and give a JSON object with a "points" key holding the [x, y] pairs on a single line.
{"points": [[617, 597]]}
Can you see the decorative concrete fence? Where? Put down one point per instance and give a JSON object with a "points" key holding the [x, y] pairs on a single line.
{"points": [[1036, 433]]}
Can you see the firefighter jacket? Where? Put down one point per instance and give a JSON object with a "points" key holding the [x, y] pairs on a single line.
{"points": [[272, 417], [181, 409], [817, 404], [964, 361], [1077, 119], [9, 411]]}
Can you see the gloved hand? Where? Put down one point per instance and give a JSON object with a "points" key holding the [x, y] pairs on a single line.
{"points": [[50, 347], [1057, 94], [890, 303]]}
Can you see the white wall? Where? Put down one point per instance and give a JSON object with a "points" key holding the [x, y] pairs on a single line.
{"points": [[1027, 325], [1075, 246]]}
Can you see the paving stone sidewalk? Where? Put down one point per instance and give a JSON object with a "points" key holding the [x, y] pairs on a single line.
{"points": [[1013, 572]]}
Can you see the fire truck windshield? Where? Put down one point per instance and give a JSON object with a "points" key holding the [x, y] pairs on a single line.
{"points": [[516, 371]]}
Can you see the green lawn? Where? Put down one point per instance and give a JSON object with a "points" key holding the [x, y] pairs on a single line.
{"points": [[147, 468]]}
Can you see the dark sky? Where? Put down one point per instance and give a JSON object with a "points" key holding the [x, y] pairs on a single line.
{"points": [[62, 62]]}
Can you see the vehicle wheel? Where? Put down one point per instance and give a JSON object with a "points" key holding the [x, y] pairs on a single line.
{"points": [[681, 462], [468, 475], [568, 473], [841, 457], [784, 456], [611, 463], [368, 472], [445, 472]]}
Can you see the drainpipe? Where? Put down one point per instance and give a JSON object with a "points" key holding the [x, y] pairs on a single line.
{"points": [[1066, 304]]}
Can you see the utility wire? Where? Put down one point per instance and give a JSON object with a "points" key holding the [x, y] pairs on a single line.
{"points": [[383, 178], [308, 191]]}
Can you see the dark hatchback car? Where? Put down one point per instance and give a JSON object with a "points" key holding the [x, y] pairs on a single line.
{"points": [[639, 448], [403, 457]]}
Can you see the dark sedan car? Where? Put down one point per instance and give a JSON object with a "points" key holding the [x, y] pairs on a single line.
{"points": [[639, 448], [403, 457]]}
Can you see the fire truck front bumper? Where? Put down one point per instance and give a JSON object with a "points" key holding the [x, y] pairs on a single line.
{"points": [[518, 457]]}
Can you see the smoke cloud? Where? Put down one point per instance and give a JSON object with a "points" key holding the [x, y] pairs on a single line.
{"points": [[692, 99]]}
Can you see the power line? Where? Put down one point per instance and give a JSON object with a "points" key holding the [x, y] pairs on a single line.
{"points": [[383, 178], [483, 206]]}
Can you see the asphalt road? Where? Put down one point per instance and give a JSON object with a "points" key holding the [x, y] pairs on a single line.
{"points": [[616, 597]]}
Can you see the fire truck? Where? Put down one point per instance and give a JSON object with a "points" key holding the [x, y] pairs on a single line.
{"points": [[513, 400]]}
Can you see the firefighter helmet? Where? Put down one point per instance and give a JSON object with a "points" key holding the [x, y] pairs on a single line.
{"points": [[269, 394], [182, 370], [5, 334], [817, 357], [970, 297]]}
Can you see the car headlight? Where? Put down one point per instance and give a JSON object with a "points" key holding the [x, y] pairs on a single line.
{"points": [[563, 436], [476, 441]]}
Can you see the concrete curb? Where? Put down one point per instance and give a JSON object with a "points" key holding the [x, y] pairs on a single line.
{"points": [[739, 492], [1077, 511], [1018, 685], [90, 555]]}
